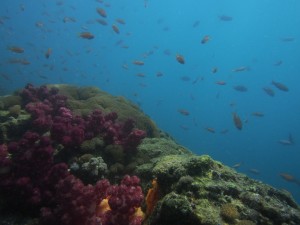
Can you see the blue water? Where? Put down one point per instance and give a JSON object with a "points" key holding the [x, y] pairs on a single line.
{"points": [[260, 34]]}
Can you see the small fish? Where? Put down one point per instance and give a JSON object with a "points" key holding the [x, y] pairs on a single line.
{"points": [[280, 86], [86, 35], [278, 63], [19, 61], [121, 21], [102, 22], [237, 121], [232, 104], [183, 127], [67, 19], [269, 91], [48, 53], [125, 66], [22, 7], [240, 88], [285, 142], [159, 74], [141, 75], [42, 76], [143, 85], [254, 171], [237, 165], [138, 63], [185, 78], [220, 82], [101, 12], [225, 18], [287, 39], [289, 178], [258, 114], [39, 24], [196, 23], [289, 141], [197, 79], [205, 39], [180, 59], [115, 29], [214, 69], [5, 76], [167, 52], [241, 69], [210, 129], [16, 49], [184, 112], [224, 131]]}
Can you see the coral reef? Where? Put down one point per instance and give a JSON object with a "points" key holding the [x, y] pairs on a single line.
{"points": [[71, 155], [199, 190]]}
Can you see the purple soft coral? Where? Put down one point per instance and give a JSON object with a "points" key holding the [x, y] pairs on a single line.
{"points": [[124, 201]]}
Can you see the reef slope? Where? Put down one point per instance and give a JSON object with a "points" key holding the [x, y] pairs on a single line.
{"points": [[184, 188]]}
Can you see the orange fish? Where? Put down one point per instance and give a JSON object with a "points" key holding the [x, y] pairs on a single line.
{"points": [[180, 59], [139, 63], [19, 61], [115, 29], [16, 49], [205, 39], [221, 82], [237, 121], [289, 178], [101, 12], [48, 53], [86, 35], [184, 112]]}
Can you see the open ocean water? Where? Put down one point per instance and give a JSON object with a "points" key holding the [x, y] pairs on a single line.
{"points": [[203, 63]]}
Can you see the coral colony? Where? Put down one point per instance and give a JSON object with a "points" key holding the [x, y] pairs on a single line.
{"points": [[35, 181]]}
